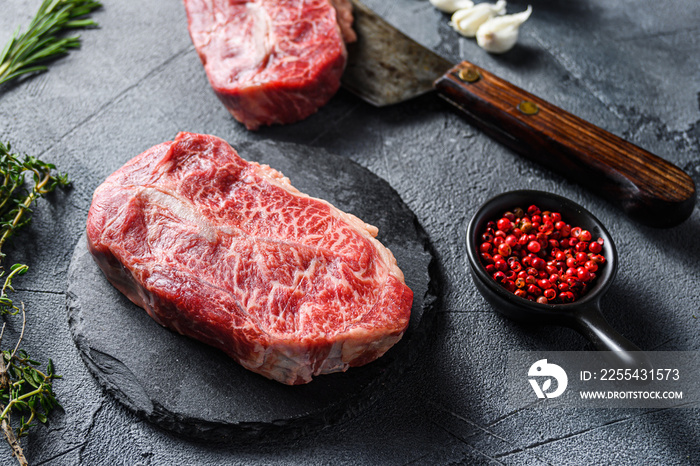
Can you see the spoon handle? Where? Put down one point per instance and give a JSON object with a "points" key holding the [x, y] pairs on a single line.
{"points": [[592, 325]]}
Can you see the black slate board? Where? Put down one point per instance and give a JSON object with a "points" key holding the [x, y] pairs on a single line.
{"points": [[197, 391]]}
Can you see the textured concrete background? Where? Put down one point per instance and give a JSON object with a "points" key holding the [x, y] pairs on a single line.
{"points": [[632, 67]]}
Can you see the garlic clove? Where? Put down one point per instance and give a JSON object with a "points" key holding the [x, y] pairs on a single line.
{"points": [[450, 6], [467, 20], [499, 34]]}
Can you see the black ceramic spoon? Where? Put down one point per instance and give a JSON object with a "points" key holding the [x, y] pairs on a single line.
{"points": [[583, 315]]}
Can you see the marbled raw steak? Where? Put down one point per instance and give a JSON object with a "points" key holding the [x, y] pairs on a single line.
{"points": [[230, 253], [271, 61]]}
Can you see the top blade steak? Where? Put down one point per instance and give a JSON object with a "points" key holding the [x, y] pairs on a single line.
{"points": [[230, 253], [271, 61]]}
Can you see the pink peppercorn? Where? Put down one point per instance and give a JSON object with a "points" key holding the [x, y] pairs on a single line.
{"points": [[537, 256]]}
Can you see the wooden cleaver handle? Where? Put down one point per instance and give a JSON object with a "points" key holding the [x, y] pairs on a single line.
{"points": [[649, 189]]}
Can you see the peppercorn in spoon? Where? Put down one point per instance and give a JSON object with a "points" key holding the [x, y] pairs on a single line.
{"points": [[569, 295]]}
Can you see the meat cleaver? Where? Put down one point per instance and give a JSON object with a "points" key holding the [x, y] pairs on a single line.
{"points": [[386, 67]]}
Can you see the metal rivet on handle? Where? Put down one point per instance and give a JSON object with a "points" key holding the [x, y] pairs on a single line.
{"points": [[469, 74], [528, 108]]}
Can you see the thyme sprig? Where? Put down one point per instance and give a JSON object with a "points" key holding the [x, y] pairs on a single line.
{"points": [[25, 52], [30, 392], [6, 304], [15, 200], [25, 390]]}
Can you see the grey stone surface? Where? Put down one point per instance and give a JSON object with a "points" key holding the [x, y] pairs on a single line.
{"points": [[630, 66]]}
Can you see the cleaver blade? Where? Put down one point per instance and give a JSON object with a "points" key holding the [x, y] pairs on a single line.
{"points": [[386, 67]]}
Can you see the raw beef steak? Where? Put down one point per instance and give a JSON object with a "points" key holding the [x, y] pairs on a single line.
{"points": [[230, 253], [271, 61]]}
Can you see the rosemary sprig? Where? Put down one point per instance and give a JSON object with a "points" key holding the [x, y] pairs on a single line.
{"points": [[24, 389], [24, 52]]}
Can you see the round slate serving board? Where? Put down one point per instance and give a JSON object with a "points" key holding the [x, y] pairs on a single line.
{"points": [[198, 391]]}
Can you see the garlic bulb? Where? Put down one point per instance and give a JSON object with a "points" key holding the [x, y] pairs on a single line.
{"points": [[467, 20], [450, 6], [499, 34]]}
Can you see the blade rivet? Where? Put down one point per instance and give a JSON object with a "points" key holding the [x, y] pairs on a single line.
{"points": [[469, 74], [528, 108]]}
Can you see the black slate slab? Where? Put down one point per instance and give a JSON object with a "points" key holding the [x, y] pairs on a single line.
{"points": [[197, 391]]}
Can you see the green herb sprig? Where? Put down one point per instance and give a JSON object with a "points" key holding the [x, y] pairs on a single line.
{"points": [[25, 52], [25, 390], [31, 390], [15, 200]]}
